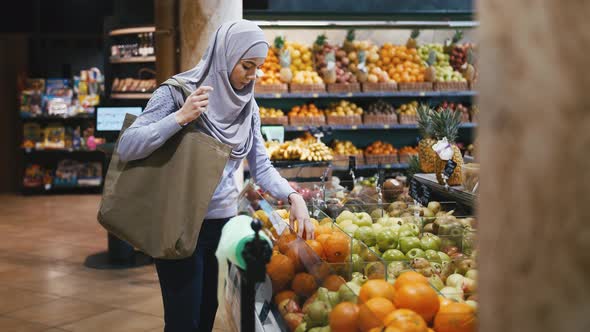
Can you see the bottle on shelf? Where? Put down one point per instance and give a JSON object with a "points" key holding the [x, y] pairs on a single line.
{"points": [[151, 48]]}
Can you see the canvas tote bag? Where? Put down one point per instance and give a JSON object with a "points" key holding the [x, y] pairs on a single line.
{"points": [[158, 203]]}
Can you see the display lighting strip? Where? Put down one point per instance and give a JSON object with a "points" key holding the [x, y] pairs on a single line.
{"points": [[366, 24]]}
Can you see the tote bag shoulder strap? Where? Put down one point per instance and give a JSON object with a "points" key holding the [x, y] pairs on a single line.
{"points": [[180, 84]]}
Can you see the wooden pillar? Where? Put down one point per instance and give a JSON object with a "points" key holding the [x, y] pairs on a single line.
{"points": [[198, 20], [166, 49], [535, 138]]}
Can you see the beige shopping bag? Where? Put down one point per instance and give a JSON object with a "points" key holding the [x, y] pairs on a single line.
{"points": [[157, 204]]}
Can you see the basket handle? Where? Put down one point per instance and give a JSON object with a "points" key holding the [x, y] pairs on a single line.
{"points": [[146, 70]]}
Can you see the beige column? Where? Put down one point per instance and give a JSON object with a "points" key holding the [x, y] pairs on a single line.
{"points": [[535, 138], [198, 21], [166, 49]]}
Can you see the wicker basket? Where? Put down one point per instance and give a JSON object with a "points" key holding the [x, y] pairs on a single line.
{"points": [[343, 87], [465, 117], [473, 85], [451, 86], [408, 119], [379, 87], [416, 86], [280, 120], [346, 120], [307, 88], [380, 119], [404, 158], [271, 88], [297, 120], [375, 159]]}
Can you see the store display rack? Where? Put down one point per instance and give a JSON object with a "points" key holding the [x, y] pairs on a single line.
{"points": [[452, 193], [133, 59], [380, 94]]}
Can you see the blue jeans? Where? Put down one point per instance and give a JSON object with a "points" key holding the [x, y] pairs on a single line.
{"points": [[189, 285]]}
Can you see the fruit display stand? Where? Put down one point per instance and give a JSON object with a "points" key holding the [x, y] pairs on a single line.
{"points": [[455, 193]]}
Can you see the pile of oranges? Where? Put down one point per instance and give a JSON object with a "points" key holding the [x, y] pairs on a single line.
{"points": [[410, 304], [271, 69], [380, 148], [306, 110], [401, 63]]}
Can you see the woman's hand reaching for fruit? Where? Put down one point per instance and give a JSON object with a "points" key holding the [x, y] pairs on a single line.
{"points": [[300, 214]]}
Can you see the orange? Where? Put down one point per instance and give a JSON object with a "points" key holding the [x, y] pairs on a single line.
{"points": [[373, 312], [293, 254], [281, 270], [304, 284], [406, 320], [286, 294], [323, 229], [285, 240], [322, 239], [337, 248], [455, 317], [333, 282], [376, 288], [317, 247], [344, 317], [418, 297], [408, 278]]}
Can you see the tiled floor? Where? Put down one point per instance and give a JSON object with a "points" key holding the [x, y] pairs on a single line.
{"points": [[44, 285]]}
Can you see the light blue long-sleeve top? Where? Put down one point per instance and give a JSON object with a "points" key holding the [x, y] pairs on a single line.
{"points": [[157, 123]]}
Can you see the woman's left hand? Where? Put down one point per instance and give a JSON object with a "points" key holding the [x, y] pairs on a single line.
{"points": [[300, 214]]}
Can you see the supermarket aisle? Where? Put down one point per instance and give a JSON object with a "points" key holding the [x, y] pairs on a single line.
{"points": [[44, 285]]}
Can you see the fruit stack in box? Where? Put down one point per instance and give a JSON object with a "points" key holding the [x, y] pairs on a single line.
{"points": [[342, 150], [407, 113], [306, 115], [457, 107], [406, 153], [437, 57], [273, 116], [380, 152], [380, 113], [332, 64], [270, 82], [344, 113], [404, 65]]}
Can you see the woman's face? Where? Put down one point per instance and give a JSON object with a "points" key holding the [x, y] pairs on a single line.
{"points": [[245, 72]]}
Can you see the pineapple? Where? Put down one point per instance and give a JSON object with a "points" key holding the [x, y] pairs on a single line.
{"points": [[468, 68], [412, 43], [450, 43], [446, 124], [348, 44], [430, 73], [426, 155]]}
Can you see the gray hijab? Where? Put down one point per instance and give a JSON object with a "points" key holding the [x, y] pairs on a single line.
{"points": [[230, 114]]}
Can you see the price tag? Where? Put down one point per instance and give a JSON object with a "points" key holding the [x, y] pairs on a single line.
{"points": [[425, 194], [449, 168], [422, 93], [388, 166], [316, 213], [385, 126], [415, 190], [299, 128], [264, 311], [354, 127], [349, 94], [277, 95], [274, 133], [315, 95]]}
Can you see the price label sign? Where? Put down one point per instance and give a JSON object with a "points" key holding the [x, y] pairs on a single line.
{"points": [[449, 168], [415, 190], [425, 194]]}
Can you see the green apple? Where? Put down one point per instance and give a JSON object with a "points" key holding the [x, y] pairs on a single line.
{"points": [[387, 238], [408, 243], [366, 235], [397, 206], [345, 215], [452, 293], [395, 268], [415, 253], [368, 255], [345, 223], [471, 274], [357, 263], [377, 227], [430, 242], [376, 251], [432, 256], [394, 255], [378, 213], [350, 229], [434, 206], [436, 282], [357, 246], [363, 219], [406, 233]]}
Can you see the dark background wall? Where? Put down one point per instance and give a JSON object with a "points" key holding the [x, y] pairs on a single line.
{"points": [[47, 39]]}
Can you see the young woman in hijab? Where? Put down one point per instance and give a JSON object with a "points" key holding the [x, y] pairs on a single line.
{"points": [[221, 105]]}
